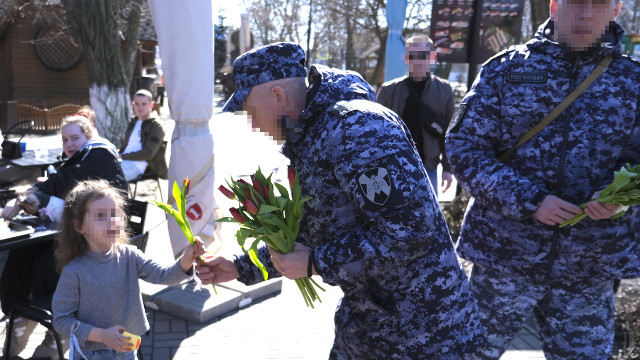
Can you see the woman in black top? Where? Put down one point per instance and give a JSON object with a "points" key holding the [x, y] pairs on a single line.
{"points": [[29, 272]]}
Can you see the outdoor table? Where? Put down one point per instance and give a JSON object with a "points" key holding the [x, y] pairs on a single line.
{"points": [[43, 231], [36, 158]]}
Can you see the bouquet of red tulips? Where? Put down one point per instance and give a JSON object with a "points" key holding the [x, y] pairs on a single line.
{"points": [[265, 216]]}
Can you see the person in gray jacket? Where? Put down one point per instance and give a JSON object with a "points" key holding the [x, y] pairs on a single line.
{"points": [[432, 91], [523, 261], [98, 295], [373, 226]]}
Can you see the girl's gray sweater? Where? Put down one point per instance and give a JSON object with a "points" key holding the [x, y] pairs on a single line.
{"points": [[102, 290]]}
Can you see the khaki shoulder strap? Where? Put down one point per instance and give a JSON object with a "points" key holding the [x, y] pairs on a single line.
{"points": [[599, 69]]}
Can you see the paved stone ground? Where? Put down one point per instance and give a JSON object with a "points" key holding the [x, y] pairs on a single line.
{"points": [[279, 327]]}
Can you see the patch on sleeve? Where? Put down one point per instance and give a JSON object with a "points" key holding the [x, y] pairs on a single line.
{"points": [[376, 185], [457, 117]]}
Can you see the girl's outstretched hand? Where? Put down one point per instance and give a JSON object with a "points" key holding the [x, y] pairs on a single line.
{"points": [[191, 253]]}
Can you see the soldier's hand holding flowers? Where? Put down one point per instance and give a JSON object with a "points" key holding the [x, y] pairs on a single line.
{"points": [[295, 264], [614, 199]]}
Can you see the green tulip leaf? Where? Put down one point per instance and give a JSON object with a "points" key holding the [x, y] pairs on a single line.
{"points": [[282, 190], [253, 256], [265, 209], [282, 202]]}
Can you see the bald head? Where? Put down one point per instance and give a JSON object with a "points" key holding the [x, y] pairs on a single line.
{"points": [[268, 103]]}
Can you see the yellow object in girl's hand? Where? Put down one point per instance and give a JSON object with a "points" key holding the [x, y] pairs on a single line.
{"points": [[134, 340]]}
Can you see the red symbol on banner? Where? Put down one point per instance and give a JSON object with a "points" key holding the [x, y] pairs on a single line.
{"points": [[194, 212]]}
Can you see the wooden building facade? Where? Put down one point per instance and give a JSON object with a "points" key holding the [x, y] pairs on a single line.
{"points": [[43, 76]]}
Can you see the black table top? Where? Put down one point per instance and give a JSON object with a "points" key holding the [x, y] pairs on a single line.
{"points": [[44, 231]]}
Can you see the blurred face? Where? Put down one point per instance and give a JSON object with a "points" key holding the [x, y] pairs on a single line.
{"points": [[579, 24], [73, 139], [264, 107], [142, 106], [102, 225], [419, 58]]}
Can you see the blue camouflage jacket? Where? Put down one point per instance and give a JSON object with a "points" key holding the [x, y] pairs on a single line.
{"points": [[571, 158], [375, 228]]}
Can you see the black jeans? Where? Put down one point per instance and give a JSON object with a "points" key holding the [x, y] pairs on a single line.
{"points": [[29, 273]]}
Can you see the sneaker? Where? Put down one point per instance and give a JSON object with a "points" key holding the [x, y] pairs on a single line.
{"points": [[48, 347], [22, 329]]}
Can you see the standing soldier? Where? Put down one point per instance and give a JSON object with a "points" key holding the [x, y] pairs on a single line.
{"points": [[373, 226], [523, 261]]}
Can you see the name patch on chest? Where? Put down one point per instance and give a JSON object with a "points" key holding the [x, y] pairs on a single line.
{"points": [[527, 77]]}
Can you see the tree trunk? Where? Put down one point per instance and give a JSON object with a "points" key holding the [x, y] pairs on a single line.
{"points": [[539, 13], [349, 55], [377, 77], [636, 7], [113, 105], [109, 60]]}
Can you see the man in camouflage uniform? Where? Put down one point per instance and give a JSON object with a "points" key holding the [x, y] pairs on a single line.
{"points": [[523, 261], [373, 226]]}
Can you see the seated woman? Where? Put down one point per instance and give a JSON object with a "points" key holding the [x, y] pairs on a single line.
{"points": [[29, 272]]}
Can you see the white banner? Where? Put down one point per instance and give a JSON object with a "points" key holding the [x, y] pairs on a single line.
{"points": [[185, 38]]}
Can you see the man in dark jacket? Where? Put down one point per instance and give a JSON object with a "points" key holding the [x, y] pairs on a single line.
{"points": [[373, 226], [143, 150], [408, 96], [523, 261]]}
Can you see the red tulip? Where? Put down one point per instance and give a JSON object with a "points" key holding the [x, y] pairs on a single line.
{"points": [[186, 182], [251, 207], [237, 215], [243, 182], [292, 176], [256, 185], [228, 193]]}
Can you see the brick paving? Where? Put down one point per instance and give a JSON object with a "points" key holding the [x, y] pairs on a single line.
{"points": [[277, 327]]}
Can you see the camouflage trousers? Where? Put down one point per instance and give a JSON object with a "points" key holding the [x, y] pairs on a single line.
{"points": [[575, 319]]}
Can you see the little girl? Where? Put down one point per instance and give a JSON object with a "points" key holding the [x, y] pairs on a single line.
{"points": [[98, 296]]}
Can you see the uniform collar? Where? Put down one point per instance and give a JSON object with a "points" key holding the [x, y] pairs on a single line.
{"points": [[609, 43]]}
